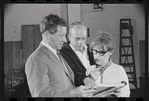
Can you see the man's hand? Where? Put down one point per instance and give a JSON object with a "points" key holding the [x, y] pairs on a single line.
{"points": [[89, 82], [82, 91]]}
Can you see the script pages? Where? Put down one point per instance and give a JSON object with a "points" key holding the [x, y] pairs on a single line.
{"points": [[104, 90]]}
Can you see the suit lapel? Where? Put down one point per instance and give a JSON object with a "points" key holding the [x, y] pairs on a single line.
{"points": [[53, 57], [71, 74]]}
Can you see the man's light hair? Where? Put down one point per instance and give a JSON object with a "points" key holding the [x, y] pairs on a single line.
{"points": [[77, 24]]}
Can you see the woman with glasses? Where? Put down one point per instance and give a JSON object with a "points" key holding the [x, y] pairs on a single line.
{"points": [[105, 71]]}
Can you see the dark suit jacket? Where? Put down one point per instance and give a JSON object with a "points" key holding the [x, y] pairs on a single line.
{"points": [[46, 75], [74, 62]]}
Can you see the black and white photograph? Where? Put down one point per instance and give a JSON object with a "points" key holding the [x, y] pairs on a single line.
{"points": [[74, 50]]}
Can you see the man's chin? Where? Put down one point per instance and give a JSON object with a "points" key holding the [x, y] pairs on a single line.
{"points": [[78, 49]]}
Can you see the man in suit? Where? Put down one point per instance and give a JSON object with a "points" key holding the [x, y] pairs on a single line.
{"points": [[48, 74], [77, 53]]}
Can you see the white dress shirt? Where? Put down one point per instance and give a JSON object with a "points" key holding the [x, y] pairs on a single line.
{"points": [[54, 52], [82, 56]]}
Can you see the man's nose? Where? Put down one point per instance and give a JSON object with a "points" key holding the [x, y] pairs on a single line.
{"points": [[80, 42]]}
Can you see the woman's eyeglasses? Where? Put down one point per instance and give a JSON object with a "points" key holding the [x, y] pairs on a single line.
{"points": [[102, 53]]}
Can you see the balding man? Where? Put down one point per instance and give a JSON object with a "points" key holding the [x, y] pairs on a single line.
{"points": [[77, 53]]}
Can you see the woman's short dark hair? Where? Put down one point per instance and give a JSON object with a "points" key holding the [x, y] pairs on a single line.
{"points": [[51, 22]]}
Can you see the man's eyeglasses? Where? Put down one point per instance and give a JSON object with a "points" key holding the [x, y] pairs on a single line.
{"points": [[102, 53]]}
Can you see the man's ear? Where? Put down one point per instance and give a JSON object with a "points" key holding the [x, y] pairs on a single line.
{"points": [[48, 35]]}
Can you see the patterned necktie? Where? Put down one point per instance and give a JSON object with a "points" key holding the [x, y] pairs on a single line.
{"points": [[102, 69]]}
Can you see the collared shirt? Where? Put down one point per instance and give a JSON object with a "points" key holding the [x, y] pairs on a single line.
{"points": [[82, 56], [115, 73], [51, 49], [54, 52]]}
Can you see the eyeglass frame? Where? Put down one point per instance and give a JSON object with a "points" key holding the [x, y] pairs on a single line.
{"points": [[102, 53]]}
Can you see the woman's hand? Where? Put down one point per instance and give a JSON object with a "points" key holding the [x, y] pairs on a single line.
{"points": [[90, 69], [93, 71]]}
